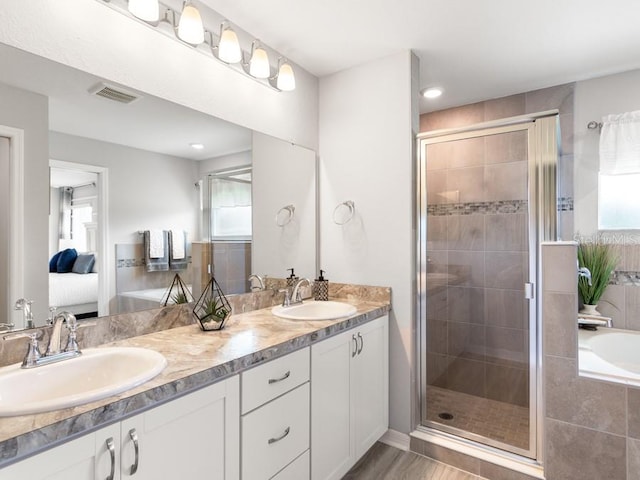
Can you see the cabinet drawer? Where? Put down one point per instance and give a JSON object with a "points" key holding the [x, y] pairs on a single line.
{"points": [[272, 379], [276, 434], [296, 470]]}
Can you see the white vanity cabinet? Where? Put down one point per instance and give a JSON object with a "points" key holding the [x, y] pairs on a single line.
{"points": [[349, 397], [85, 458], [275, 419], [195, 436]]}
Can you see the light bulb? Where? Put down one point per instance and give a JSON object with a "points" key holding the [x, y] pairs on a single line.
{"points": [[259, 64], [432, 92], [229, 46], [286, 79], [190, 28], [147, 10]]}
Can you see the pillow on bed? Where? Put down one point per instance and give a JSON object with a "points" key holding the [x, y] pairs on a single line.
{"points": [[66, 260], [84, 263], [53, 263]]}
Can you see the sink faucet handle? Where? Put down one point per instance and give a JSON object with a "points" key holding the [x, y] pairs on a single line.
{"points": [[286, 300], [72, 342], [33, 352]]}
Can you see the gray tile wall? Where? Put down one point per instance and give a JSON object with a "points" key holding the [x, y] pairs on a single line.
{"points": [[621, 299], [592, 428]]}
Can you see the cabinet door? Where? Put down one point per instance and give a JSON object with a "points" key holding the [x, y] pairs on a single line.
{"points": [[370, 384], [195, 437], [331, 423], [85, 458]]}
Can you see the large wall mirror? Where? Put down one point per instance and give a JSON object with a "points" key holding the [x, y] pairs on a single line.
{"points": [[123, 166]]}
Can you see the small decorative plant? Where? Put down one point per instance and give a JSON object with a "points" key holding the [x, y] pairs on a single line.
{"points": [[601, 261], [177, 292], [212, 308], [179, 298]]}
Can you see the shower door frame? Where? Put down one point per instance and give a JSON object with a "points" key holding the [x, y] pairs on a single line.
{"points": [[543, 153]]}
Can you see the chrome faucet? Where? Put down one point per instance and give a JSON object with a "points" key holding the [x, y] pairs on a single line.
{"points": [[27, 314], [54, 352], [260, 280], [584, 272], [296, 295]]}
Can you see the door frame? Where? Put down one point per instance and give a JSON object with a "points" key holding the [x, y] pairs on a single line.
{"points": [[542, 159], [16, 219], [103, 260]]}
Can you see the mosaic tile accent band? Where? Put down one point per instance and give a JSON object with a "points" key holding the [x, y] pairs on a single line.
{"points": [[135, 262], [477, 208], [565, 204], [620, 277]]}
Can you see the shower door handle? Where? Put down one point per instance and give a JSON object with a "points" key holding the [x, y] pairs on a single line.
{"points": [[529, 291]]}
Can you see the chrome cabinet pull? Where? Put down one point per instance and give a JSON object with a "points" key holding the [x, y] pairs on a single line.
{"points": [[284, 377], [361, 343], [112, 452], [355, 345], [277, 439], [136, 449]]}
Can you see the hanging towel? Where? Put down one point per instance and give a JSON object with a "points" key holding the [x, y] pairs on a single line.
{"points": [[156, 244], [620, 144], [178, 259], [178, 244], [156, 264]]}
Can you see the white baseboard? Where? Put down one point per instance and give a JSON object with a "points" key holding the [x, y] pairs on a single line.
{"points": [[396, 439]]}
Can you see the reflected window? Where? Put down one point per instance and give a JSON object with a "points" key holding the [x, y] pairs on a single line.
{"points": [[231, 205]]}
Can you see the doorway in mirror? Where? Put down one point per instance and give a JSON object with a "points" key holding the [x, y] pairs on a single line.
{"points": [[75, 221]]}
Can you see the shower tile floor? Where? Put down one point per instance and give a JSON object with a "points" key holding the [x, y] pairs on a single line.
{"points": [[499, 421]]}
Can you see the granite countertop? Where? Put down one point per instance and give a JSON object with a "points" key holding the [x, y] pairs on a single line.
{"points": [[194, 359]]}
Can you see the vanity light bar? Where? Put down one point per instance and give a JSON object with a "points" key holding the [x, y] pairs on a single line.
{"points": [[185, 28]]}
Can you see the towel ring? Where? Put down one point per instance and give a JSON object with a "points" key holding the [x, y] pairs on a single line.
{"points": [[285, 215], [344, 212]]}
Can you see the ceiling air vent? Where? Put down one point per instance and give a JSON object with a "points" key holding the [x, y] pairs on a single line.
{"points": [[113, 93]]}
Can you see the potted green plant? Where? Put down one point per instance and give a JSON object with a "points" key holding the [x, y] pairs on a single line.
{"points": [[212, 308], [215, 310], [601, 260], [177, 293]]}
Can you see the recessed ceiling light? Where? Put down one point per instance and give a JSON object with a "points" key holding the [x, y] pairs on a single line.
{"points": [[432, 92], [197, 146]]}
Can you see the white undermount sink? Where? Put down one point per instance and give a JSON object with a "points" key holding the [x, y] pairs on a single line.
{"points": [[315, 311], [98, 373]]}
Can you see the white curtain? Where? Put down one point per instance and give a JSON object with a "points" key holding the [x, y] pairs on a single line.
{"points": [[620, 144]]}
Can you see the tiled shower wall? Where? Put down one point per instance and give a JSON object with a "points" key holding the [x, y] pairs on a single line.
{"points": [[477, 263], [592, 428], [477, 321]]}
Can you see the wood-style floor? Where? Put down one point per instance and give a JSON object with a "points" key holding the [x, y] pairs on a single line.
{"points": [[383, 462]]}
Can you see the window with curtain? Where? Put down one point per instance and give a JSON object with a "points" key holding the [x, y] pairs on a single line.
{"points": [[619, 176], [231, 206]]}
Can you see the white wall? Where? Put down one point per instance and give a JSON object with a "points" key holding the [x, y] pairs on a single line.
{"points": [[30, 112], [4, 227], [283, 174], [367, 115], [223, 162], [93, 37], [146, 189], [593, 99]]}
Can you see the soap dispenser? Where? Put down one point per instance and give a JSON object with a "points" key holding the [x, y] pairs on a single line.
{"points": [[321, 287], [292, 279]]}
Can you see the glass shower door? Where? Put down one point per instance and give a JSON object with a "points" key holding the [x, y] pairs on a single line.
{"points": [[477, 276]]}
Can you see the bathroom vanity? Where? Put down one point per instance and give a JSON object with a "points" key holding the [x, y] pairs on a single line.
{"points": [[265, 398]]}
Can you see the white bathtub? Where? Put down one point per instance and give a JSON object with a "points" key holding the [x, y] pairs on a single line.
{"points": [[610, 354]]}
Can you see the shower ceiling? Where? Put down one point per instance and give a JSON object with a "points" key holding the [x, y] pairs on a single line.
{"points": [[475, 50]]}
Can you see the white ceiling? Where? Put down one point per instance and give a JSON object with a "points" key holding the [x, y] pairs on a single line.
{"points": [[474, 49], [149, 123]]}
